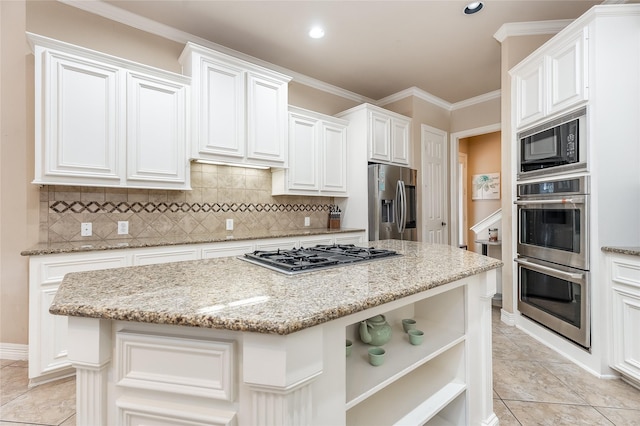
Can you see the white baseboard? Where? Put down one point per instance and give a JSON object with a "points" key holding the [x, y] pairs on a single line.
{"points": [[508, 318], [14, 351]]}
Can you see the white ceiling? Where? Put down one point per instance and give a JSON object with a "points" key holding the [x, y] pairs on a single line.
{"points": [[372, 48]]}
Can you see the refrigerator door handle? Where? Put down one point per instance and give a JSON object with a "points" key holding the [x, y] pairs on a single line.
{"points": [[398, 205], [401, 203]]}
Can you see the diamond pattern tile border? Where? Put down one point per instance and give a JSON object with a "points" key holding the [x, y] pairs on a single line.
{"points": [[162, 207]]}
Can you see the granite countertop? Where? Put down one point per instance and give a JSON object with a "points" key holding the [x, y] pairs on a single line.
{"points": [[229, 293], [632, 251], [84, 246]]}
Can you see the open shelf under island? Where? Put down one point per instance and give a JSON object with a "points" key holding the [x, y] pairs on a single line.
{"points": [[222, 341]]}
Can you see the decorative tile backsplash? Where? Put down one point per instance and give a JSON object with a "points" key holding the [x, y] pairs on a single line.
{"points": [[218, 193]]}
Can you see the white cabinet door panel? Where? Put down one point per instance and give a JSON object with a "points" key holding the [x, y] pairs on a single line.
{"points": [[380, 137], [221, 109], [80, 105], [266, 124], [399, 142], [156, 140], [333, 151], [303, 171], [567, 79], [529, 87], [54, 338], [48, 333]]}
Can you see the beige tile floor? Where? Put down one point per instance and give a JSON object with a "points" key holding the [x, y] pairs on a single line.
{"points": [[532, 386]]}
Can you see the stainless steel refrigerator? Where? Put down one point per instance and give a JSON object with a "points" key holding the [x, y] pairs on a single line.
{"points": [[392, 203]]}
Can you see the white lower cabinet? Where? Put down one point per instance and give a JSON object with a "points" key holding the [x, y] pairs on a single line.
{"points": [[160, 376], [625, 308], [48, 333], [165, 255], [416, 384]]}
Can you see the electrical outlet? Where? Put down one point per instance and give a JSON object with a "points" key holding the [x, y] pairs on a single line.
{"points": [[229, 224], [85, 229], [307, 221], [123, 227]]}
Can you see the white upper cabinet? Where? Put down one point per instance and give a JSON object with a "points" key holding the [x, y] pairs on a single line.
{"points": [[317, 156], [333, 157], [552, 79], [567, 68], [380, 136], [529, 93], [387, 133], [389, 138], [105, 121], [156, 131], [400, 141], [79, 124], [239, 109]]}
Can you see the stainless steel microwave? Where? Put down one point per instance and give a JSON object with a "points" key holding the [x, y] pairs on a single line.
{"points": [[557, 146]]}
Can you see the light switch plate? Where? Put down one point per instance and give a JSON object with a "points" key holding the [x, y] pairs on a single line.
{"points": [[229, 224], [307, 221]]}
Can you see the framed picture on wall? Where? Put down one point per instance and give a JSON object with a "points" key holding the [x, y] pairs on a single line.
{"points": [[486, 186]]}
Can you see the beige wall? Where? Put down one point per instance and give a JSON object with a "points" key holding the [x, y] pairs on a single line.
{"points": [[483, 156], [514, 50], [18, 198], [475, 116], [66, 23], [316, 100]]}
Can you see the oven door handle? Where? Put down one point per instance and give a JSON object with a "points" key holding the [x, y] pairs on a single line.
{"points": [[579, 200], [551, 271]]}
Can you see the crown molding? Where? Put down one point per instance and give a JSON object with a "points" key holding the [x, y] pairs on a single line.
{"points": [[477, 100], [516, 29], [428, 97], [130, 19], [415, 92]]}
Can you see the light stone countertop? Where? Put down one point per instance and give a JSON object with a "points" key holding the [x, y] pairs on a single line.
{"points": [[119, 244], [632, 251], [229, 293]]}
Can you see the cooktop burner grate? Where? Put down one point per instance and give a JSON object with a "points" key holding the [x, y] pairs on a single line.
{"points": [[307, 259]]}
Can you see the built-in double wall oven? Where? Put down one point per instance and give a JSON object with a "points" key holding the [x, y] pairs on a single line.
{"points": [[553, 255]]}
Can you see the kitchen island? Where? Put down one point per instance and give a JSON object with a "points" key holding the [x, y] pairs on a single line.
{"points": [[222, 341]]}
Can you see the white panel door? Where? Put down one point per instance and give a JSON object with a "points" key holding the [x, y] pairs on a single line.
{"points": [[267, 119], [156, 132], [434, 185], [82, 120], [303, 150], [333, 150]]}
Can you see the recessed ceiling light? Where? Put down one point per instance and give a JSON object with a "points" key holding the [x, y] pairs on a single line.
{"points": [[473, 7], [316, 32]]}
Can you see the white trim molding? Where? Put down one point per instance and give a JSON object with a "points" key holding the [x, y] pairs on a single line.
{"points": [[14, 351], [516, 29]]}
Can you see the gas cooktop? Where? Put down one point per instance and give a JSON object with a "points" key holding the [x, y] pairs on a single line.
{"points": [[298, 260]]}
